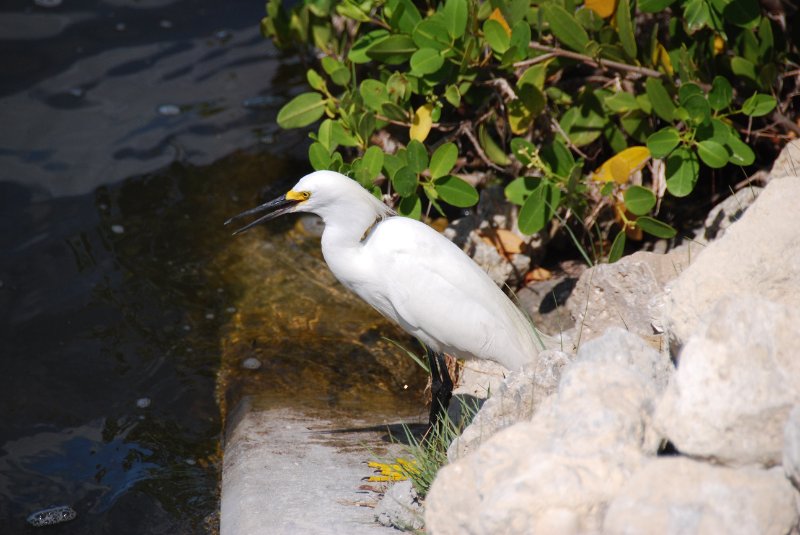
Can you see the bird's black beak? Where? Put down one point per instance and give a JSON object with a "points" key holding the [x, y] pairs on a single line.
{"points": [[274, 208]]}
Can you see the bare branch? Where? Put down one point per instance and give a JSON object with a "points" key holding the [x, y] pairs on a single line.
{"points": [[602, 64]]}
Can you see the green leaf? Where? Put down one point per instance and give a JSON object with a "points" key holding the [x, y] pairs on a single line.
{"points": [[518, 190], [319, 157], [443, 160], [654, 6], [452, 95], [358, 53], [660, 99], [316, 81], [374, 94], [698, 108], [584, 123], [417, 156], [405, 182], [712, 153], [715, 130], [456, 13], [393, 111], [426, 61], [491, 148], [410, 206], [744, 68], [456, 191], [744, 13], [639, 200], [405, 15], [340, 75], [656, 228], [394, 162], [661, 143], [617, 248], [372, 161], [741, 153], [622, 102], [696, 14], [682, 170], [558, 158], [523, 150], [392, 50], [431, 33], [759, 105], [721, 93], [625, 28], [301, 111], [539, 208], [565, 27], [688, 90], [496, 36]]}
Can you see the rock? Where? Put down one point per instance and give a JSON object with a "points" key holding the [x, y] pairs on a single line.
{"points": [[400, 508], [787, 164], [545, 303], [674, 495], [515, 400], [620, 346], [725, 214], [556, 472], [759, 255], [791, 447], [735, 384], [628, 293]]}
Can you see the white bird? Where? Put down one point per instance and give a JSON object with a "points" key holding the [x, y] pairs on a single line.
{"points": [[412, 275]]}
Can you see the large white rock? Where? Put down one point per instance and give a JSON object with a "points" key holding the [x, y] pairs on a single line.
{"points": [[736, 382], [627, 294], [555, 473], [675, 495], [516, 399], [759, 254]]}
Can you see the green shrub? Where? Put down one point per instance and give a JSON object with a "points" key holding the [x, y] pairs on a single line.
{"points": [[592, 111]]}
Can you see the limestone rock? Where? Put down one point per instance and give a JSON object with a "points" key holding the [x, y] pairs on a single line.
{"points": [[627, 294], [736, 382], [726, 213], [759, 254], [624, 348], [675, 495], [791, 447], [555, 473], [515, 400], [787, 164], [400, 508]]}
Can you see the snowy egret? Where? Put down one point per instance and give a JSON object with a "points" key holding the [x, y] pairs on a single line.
{"points": [[412, 275]]}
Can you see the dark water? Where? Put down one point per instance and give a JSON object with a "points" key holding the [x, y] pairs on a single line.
{"points": [[111, 289], [110, 308]]}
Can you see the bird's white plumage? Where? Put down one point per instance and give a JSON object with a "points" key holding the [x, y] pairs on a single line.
{"points": [[414, 276]]}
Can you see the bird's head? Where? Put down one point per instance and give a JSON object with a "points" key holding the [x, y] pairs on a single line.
{"points": [[325, 193]]}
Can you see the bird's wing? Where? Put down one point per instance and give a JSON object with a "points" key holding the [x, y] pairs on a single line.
{"points": [[438, 290]]}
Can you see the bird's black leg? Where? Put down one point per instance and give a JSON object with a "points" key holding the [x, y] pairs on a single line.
{"points": [[441, 388]]}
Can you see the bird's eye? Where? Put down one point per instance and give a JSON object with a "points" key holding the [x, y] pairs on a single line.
{"points": [[305, 195]]}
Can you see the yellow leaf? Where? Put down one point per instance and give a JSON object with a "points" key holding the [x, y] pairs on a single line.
{"points": [[719, 45], [393, 472], [604, 8], [661, 58], [621, 166], [498, 16], [422, 122]]}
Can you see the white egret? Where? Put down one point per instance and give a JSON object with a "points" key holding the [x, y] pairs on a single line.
{"points": [[412, 275]]}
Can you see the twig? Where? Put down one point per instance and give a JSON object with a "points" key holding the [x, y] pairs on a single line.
{"points": [[571, 145], [602, 64], [466, 129], [781, 119]]}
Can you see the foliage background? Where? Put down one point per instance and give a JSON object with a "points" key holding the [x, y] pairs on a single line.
{"points": [[608, 116]]}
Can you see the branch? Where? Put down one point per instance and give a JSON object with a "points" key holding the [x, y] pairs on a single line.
{"points": [[602, 64], [466, 129]]}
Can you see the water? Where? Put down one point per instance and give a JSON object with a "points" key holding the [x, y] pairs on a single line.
{"points": [[130, 320]]}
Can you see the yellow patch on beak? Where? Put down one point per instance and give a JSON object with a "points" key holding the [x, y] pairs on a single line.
{"points": [[292, 195]]}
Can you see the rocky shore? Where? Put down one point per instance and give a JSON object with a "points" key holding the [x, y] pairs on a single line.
{"points": [[675, 410]]}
